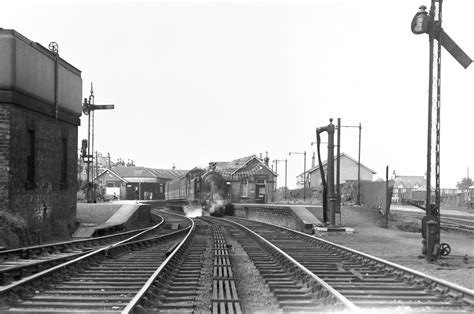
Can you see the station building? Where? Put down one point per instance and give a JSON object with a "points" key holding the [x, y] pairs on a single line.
{"points": [[40, 106], [131, 182], [250, 179]]}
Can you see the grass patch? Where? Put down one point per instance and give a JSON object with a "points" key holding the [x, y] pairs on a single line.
{"points": [[11, 225], [404, 223]]}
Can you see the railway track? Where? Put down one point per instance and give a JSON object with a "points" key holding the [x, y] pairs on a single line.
{"points": [[463, 223], [191, 269], [182, 282], [16, 264], [101, 280], [294, 288], [366, 283], [19, 263]]}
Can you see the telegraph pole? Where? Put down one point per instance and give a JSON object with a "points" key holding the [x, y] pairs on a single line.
{"points": [[276, 170], [304, 172]]}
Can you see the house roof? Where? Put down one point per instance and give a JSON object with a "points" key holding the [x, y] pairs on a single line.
{"points": [[112, 173], [135, 172], [168, 173], [241, 167], [142, 174], [423, 188], [335, 157], [409, 182]]}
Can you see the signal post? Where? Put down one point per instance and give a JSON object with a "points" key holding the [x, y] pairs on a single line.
{"points": [[430, 23], [87, 149]]}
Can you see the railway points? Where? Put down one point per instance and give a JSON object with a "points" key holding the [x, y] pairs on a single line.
{"points": [[165, 292]]}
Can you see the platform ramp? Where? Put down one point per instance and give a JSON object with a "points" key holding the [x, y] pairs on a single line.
{"points": [[305, 215], [296, 217], [127, 217]]}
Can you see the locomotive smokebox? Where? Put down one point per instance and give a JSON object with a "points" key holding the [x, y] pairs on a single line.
{"points": [[213, 180]]}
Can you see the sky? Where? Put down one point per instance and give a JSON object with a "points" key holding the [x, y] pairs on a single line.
{"points": [[200, 81]]}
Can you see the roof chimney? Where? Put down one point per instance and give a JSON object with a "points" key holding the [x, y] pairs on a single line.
{"points": [[174, 167], [313, 160], [266, 160]]}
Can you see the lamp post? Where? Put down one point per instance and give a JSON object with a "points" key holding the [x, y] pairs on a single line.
{"points": [[358, 162], [276, 161], [304, 172]]}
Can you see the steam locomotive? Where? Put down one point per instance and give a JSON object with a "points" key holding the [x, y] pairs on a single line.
{"points": [[215, 188], [200, 189]]}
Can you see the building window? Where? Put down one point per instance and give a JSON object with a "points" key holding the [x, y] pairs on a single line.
{"points": [[30, 175], [244, 188], [63, 183]]}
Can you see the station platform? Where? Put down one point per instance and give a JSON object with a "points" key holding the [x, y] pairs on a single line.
{"points": [[298, 217], [131, 215]]}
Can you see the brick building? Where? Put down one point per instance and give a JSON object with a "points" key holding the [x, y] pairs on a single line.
{"points": [[40, 106]]}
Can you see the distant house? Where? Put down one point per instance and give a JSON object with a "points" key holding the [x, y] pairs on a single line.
{"points": [[349, 171], [404, 186], [412, 189], [128, 182]]}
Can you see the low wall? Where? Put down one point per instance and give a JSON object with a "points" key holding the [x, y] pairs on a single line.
{"points": [[281, 215]]}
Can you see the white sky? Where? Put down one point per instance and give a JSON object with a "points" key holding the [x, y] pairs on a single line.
{"points": [[199, 81]]}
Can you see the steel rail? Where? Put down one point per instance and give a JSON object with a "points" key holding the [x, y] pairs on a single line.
{"points": [[348, 304], [141, 293], [34, 263], [22, 251], [26, 286], [466, 291], [10, 287]]}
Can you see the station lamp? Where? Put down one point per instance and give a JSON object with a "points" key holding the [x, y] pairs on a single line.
{"points": [[421, 21]]}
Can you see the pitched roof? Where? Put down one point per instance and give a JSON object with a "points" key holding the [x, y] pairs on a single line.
{"points": [[316, 167], [241, 167], [112, 173], [168, 173], [143, 172], [409, 182], [135, 172], [423, 188]]}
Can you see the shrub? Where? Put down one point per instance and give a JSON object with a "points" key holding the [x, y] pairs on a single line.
{"points": [[12, 225]]}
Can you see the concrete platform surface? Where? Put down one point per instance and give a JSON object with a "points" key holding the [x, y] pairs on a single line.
{"points": [[130, 215], [123, 214]]}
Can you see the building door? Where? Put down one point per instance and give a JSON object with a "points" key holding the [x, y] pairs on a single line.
{"points": [[260, 190]]}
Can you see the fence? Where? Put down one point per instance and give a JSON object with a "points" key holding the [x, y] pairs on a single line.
{"points": [[375, 194]]}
